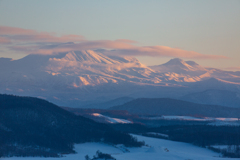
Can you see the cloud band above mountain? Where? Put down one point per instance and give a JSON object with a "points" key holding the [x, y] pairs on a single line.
{"points": [[33, 42]]}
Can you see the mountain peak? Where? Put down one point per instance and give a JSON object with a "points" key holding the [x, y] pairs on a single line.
{"points": [[89, 56], [178, 63], [175, 61], [180, 67]]}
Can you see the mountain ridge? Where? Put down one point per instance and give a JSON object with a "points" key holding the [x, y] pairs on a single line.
{"points": [[68, 78], [168, 106], [215, 97]]}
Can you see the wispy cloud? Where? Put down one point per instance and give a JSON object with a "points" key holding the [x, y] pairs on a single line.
{"points": [[166, 52], [26, 35], [33, 42], [4, 40], [233, 68]]}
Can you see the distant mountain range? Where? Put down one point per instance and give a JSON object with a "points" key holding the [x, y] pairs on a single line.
{"points": [[108, 104], [84, 78], [166, 106], [215, 97]]}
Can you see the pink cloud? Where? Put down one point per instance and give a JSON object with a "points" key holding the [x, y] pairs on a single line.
{"points": [[4, 40], [21, 35], [126, 41], [33, 42], [119, 48], [5, 30], [166, 52], [65, 47]]}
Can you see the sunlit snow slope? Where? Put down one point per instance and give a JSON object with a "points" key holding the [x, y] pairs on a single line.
{"points": [[111, 120]]}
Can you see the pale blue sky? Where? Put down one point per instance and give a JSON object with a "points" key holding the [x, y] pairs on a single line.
{"points": [[204, 26]]}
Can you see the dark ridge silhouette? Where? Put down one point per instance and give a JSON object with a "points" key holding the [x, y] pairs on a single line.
{"points": [[34, 127]]}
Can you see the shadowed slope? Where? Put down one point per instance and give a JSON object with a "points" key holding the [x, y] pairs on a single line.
{"points": [[166, 106], [35, 127]]}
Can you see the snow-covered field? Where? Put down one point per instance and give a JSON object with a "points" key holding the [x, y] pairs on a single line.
{"points": [[190, 118], [231, 148], [215, 121], [111, 120], [219, 121], [220, 146], [158, 134], [157, 149]]}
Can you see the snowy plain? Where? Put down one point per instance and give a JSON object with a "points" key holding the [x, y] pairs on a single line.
{"points": [[189, 118], [219, 121], [110, 119], [157, 149]]}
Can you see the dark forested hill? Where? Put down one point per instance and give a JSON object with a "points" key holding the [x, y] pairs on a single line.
{"points": [[34, 127], [167, 106]]}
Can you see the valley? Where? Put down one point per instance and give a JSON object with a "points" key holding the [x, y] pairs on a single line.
{"points": [[157, 148]]}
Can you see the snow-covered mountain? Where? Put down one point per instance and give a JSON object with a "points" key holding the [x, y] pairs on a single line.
{"points": [[71, 70], [74, 76], [76, 69], [189, 71], [179, 66], [91, 77]]}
